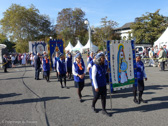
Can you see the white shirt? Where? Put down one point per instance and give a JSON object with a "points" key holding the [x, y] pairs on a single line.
{"points": [[73, 70], [94, 72], [13, 58], [89, 66], [58, 66]]}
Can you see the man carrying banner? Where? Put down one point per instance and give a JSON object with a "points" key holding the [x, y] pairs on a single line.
{"points": [[140, 76]]}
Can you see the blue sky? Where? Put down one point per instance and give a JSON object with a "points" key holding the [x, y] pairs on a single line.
{"points": [[121, 11]]}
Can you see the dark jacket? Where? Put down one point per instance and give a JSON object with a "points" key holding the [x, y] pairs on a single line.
{"points": [[37, 62], [5, 62]]}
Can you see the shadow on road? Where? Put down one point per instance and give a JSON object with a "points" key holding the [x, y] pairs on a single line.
{"points": [[9, 95], [15, 78], [143, 108], [23, 101]]}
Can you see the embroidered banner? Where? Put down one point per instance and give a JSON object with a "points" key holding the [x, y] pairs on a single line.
{"points": [[122, 64]]}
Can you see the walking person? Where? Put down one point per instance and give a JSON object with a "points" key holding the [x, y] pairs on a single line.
{"points": [[140, 76], [69, 65], [37, 64], [79, 71], [89, 69], [23, 59], [151, 56], [90, 58], [13, 60], [62, 69], [46, 67], [162, 58], [5, 63], [55, 64], [99, 82]]}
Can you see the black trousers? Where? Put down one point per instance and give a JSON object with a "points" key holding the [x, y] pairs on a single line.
{"points": [[162, 65], [103, 93], [62, 76], [37, 71], [93, 90], [46, 75], [80, 86], [140, 87], [5, 68]]}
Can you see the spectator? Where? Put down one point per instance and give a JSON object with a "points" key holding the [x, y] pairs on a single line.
{"points": [[162, 58]]}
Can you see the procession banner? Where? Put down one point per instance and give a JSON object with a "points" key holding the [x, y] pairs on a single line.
{"points": [[122, 64], [37, 47], [55, 45]]}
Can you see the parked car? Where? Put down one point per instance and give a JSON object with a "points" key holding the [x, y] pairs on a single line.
{"points": [[139, 50]]}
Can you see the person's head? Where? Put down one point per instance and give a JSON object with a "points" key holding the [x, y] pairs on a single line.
{"points": [[67, 51], [100, 58], [69, 54], [44, 53], [45, 56], [91, 54], [4, 55], [78, 57], [61, 56], [138, 58], [164, 46], [57, 54], [152, 49], [38, 54]]}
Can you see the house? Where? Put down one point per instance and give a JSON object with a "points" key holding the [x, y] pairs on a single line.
{"points": [[125, 31]]}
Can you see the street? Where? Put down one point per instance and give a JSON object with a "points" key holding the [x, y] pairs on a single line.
{"points": [[25, 101]]}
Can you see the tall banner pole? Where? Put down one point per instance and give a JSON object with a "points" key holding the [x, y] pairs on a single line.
{"points": [[109, 67], [134, 62]]}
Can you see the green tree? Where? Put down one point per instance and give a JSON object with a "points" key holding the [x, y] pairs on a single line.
{"points": [[105, 32], [23, 24], [149, 27], [70, 25], [4, 40]]}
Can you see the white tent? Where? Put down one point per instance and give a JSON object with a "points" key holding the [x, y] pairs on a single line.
{"points": [[163, 39], [90, 46], [2, 46], [78, 47], [69, 47]]}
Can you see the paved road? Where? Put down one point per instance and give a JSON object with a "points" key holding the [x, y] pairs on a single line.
{"points": [[27, 102]]}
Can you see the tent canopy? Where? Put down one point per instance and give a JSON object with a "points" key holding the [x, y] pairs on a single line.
{"points": [[90, 46], [69, 47], [2, 46], [78, 47], [163, 39]]}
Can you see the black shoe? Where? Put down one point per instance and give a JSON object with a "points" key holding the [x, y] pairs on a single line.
{"points": [[139, 101], [104, 112], [38, 79], [143, 101], [66, 87], [136, 101], [94, 110], [62, 87], [81, 100]]}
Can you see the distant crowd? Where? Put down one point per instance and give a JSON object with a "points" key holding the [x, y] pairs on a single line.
{"points": [[155, 55]]}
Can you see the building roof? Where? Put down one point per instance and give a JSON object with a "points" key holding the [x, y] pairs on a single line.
{"points": [[125, 26]]}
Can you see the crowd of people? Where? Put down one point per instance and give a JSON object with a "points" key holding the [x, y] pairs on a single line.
{"points": [[97, 66], [155, 56]]}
